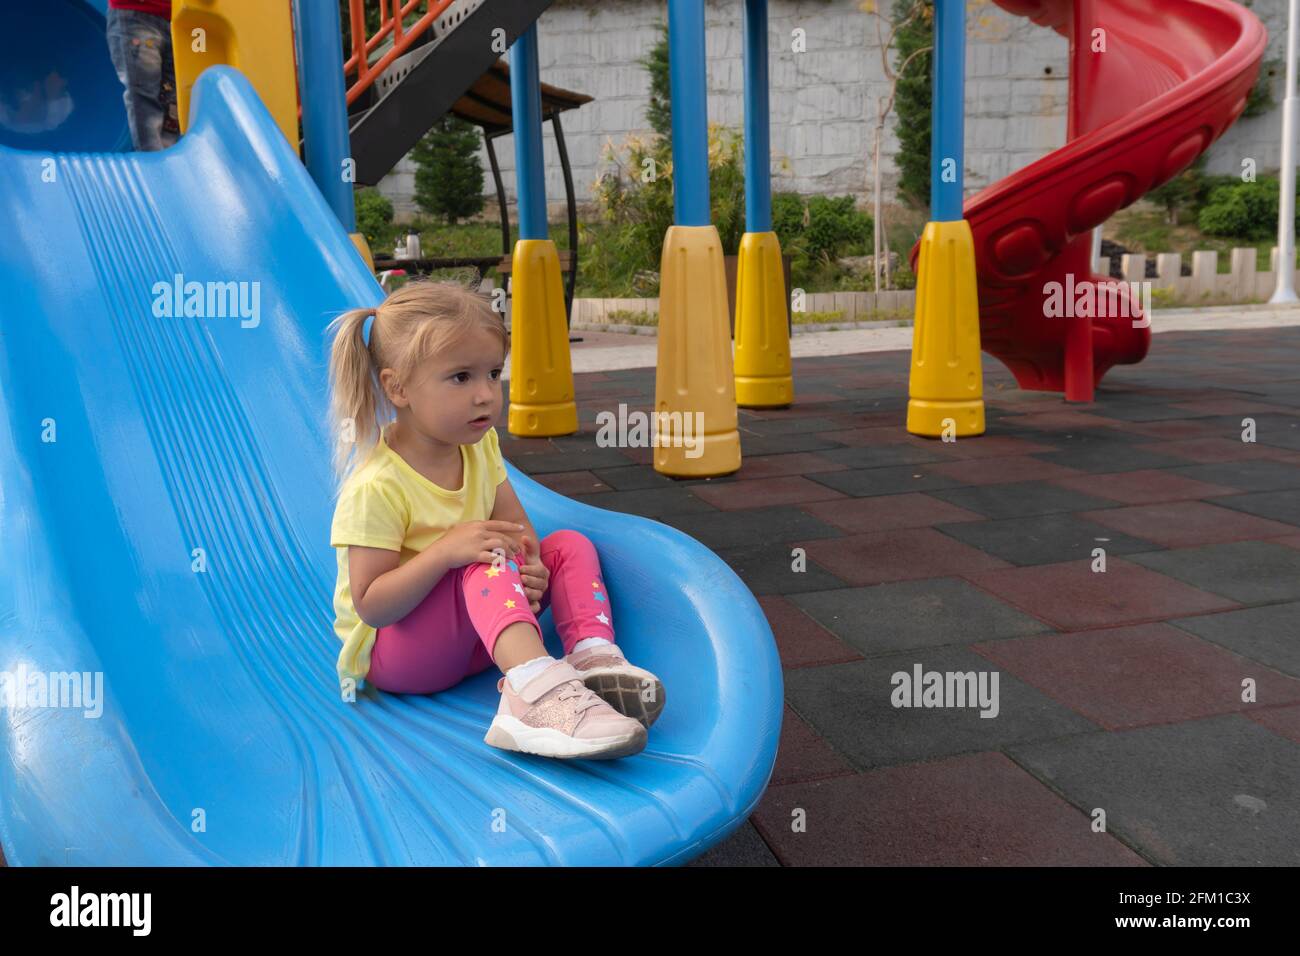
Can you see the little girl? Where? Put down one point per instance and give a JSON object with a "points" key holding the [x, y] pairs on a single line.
{"points": [[425, 520]]}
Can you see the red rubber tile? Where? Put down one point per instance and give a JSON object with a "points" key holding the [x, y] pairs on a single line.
{"points": [[993, 471], [889, 512], [572, 482], [801, 641], [1142, 487], [1175, 429], [802, 755], [1131, 676], [973, 810], [764, 492], [1284, 721], [1072, 597], [1208, 450], [1185, 524], [900, 555]]}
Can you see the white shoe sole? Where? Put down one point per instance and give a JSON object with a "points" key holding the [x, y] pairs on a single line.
{"points": [[622, 691], [511, 733]]}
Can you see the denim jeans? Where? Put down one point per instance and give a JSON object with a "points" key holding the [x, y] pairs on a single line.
{"points": [[141, 47]]}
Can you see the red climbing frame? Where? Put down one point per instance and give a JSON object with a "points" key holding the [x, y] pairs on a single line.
{"points": [[1174, 75]]}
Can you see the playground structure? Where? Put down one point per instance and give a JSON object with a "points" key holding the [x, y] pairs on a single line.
{"points": [[198, 441], [1152, 84]]}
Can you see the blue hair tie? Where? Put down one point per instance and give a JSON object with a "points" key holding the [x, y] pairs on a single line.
{"points": [[365, 328]]}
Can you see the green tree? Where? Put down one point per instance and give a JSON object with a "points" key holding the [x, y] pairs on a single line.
{"points": [[913, 101], [448, 174], [659, 111]]}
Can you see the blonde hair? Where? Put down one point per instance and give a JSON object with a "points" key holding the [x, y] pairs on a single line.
{"points": [[413, 324]]}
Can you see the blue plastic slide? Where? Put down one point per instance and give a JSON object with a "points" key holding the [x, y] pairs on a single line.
{"points": [[165, 501]]}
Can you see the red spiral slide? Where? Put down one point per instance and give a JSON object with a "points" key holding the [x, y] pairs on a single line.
{"points": [[1152, 84]]}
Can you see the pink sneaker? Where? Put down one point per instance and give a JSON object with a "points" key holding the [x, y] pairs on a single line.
{"points": [[555, 715], [631, 690]]}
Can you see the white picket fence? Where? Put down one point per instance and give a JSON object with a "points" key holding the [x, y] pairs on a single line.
{"points": [[1242, 283]]}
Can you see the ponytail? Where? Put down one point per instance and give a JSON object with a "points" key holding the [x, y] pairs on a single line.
{"points": [[355, 395]]}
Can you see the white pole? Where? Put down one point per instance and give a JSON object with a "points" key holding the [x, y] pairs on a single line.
{"points": [[1285, 291]]}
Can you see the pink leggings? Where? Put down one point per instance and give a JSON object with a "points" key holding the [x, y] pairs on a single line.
{"points": [[450, 634]]}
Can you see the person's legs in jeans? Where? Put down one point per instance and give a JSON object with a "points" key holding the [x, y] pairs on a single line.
{"points": [[140, 47]]}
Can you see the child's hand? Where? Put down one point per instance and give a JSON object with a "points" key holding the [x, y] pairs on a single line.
{"points": [[474, 541], [535, 575]]}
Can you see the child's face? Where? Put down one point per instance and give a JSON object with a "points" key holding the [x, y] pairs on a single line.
{"points": [[456, 396]]}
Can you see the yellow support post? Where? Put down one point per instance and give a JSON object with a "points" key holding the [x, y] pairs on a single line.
{"points": [[363, 247], [254, 36], [695, 424], [946, 387], [763, 373], [541, 372]]}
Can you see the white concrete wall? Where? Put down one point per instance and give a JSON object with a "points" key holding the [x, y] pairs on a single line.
{"points": [[824, 100]]}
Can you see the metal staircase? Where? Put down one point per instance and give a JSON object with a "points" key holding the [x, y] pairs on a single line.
{"points": [[402, 79]]}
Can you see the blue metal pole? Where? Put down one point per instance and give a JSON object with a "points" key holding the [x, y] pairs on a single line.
{"points": [[324, 109], [526, 100], [949, 110], [758, 150], [690, 112]]}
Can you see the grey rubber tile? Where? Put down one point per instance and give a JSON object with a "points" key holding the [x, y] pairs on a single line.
{"points": [[766, 569], [1249, 572], [851, 706], [1270, 634], [1020, 499], [1222, 791], [1257, 474], [1277, 505], [1044, 539], [907, 615], [733, 529]]}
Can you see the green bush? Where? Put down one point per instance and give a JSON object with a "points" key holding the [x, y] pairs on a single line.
{"points": [[816, 232], [836, 228], [635, 197], [1242, 210], [374, 215]]}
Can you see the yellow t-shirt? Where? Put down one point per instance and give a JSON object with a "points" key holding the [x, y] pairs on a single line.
{"points": [[388, 504]]}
